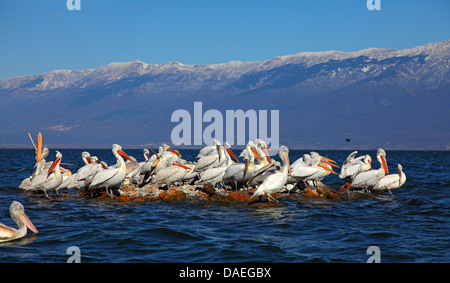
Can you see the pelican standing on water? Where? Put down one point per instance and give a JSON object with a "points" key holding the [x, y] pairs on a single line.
{"points": [[274, 182], [19, 216]]}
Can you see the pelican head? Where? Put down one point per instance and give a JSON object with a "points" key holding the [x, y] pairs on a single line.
{"points": [[118, 149], [56, 162], [381, 155], [283, 152], [19, 216]]}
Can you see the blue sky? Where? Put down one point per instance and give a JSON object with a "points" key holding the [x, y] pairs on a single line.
{"points": [[41, 36]]}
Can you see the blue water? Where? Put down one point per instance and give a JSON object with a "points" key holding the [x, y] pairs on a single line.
{"points": [[411, 226]]}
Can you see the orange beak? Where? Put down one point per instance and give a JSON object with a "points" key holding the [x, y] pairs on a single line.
{"points": [[57, 161], [267, 156], [124, 154], [230, 152], [23, 216], [327, 159], [255, 153], [383, 161], [331, 164], [180, 165], [329, 170], [174, 152]]}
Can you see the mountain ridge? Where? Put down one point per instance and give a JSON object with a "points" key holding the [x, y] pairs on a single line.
{"points": [[69, 103]]}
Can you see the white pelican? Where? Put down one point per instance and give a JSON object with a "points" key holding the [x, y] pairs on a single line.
{"points": [[391, 182], [158, 164], [111, 176], [311, 167], [67, 179], [209, 149], [19, 216], [242, 172], [212, 160], [353, 166], [90, 168], [275, 181], [370, 178], [170, 175], [48, 180], [215, 175]]}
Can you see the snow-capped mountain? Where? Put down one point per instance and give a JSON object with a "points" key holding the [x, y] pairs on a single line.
{"points": [[389, 97]]}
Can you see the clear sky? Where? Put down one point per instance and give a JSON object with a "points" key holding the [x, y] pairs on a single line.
{"points": [[41, 36]]}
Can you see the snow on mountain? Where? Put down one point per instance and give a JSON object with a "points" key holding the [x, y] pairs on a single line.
{"points": [[397, 97]]}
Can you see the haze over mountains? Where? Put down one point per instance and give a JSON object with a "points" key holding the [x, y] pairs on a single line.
{"points": [[395, 99]]}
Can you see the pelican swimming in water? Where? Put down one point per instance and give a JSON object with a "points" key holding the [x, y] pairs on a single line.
{"points": [[112, 176], [19, 216], [391, 182], [275, 181], [370, 178]]}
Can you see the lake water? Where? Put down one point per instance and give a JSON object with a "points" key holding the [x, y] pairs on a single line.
{"points": [[411, 226]]}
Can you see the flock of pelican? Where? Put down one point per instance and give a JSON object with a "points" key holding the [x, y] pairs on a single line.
{"points": [[215, 165]]}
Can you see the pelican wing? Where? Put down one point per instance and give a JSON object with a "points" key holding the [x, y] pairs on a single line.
{"points": [[6, 232], [387, 182], [268, 167], [102, 176]]}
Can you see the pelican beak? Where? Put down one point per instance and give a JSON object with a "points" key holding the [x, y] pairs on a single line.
{"points": [[383, 161], [23, 216], [174, 152], [121, 152], [327, 159], [39, 148], [370, 164], [255, 153], [331, 164], [230, 152], [286, 156], [67, 171], [329, 170], [181, 165], [219, 151], [267, 156], [57, 161]]}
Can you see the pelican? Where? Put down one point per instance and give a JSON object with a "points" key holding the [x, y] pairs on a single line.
{"points": [[171, 174], [90, 168], [242, 172], [215, 175], [353, 166], [66, 179], [158, 164], [275, 181], [370, 178], [391, 182], [111, 176], [212, 160], [312, 167], [48, 181], [209, 149], [86, 157], [19, 216]]}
